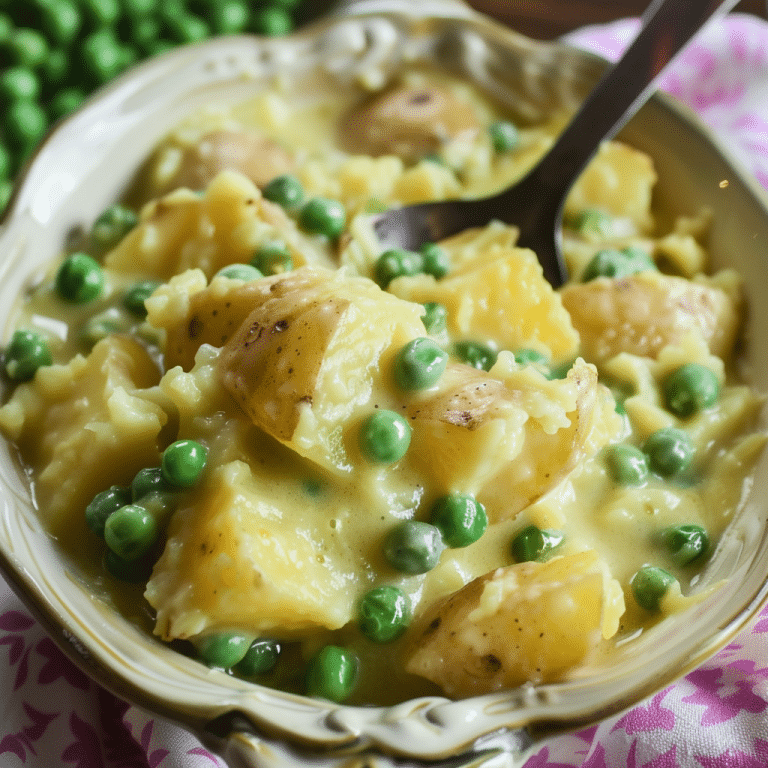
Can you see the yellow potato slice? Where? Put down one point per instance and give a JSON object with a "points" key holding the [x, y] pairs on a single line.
{"points": [[74, 420], [644, 313], [525, 622], [223, 226], [618, 180], [232, 560], [500, 297]]}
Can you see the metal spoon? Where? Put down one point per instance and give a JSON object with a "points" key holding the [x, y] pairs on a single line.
{"points": [[535, 203]]}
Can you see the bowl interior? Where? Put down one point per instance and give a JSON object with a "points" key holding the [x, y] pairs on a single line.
{"points": [[90, 160]]}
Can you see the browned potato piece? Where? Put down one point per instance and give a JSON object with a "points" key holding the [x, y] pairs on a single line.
{"points": [[219, 310], [485, 435], [76, 419], [407, 121], [253, 155], [311, 355], [530, 621], [644, 313]]}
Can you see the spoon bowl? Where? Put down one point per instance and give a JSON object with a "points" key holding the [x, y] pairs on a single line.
{"points": [[535, 203]]}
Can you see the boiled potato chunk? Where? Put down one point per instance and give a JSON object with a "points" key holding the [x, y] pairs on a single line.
{"points": [[618, 180], [530, 621], [223, 226], [74, 420], [409, 121], [238, 557], [511, 435], [501, 297], [306, 359], [648, 311]]}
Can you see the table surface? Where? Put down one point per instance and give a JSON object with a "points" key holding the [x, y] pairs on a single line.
{"points": [[548, 19]]}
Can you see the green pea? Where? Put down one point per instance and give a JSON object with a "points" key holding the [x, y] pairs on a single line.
{"points": [[25, 123], [260, 658], [112, 225], [60, 20], [384, 437], [504, 136], [27, 47], [384, 614], [144, 32], [435, 317], [26, 352], [100, 13], [419, 364], [148, 481], [413, 547], [627, 465], [171, 9], [530, 357], [273, 258], [435, 260], [649, 585], [54, 70], [332, 673], [183, 462], [229, 17], [690, 389], [613, 263], [137, 294], [246, 272], [670, 451], [222, 650], [397, 262], [135, 571], [271, 21], [98, 327], [321, 216], [130, 531], [285, 190], [19, 83], [534, 544], [592, 221], [103, 505], [685, 543], [64, 102], [80, 279], [100, 55], [188, 28], [473, 353], [460, 518], [139, 8]]}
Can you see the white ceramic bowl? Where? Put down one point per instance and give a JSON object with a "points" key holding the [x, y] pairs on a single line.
{"points": [[88, 161]]}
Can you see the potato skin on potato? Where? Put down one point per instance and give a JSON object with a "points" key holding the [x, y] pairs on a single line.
{"points": [[529, 621], [646, 312], [407, 121], [269, 367]]}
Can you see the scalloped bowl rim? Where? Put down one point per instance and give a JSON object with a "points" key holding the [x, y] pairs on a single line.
{"points": [[120, 656]]}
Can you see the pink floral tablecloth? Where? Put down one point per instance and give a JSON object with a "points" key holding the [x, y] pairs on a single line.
{"points": [[52, 715]]}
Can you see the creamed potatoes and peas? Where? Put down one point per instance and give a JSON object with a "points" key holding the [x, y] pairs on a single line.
{"points": [[549, 471]]}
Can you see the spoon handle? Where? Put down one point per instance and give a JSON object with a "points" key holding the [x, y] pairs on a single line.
{"points": [[668, 26]]}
